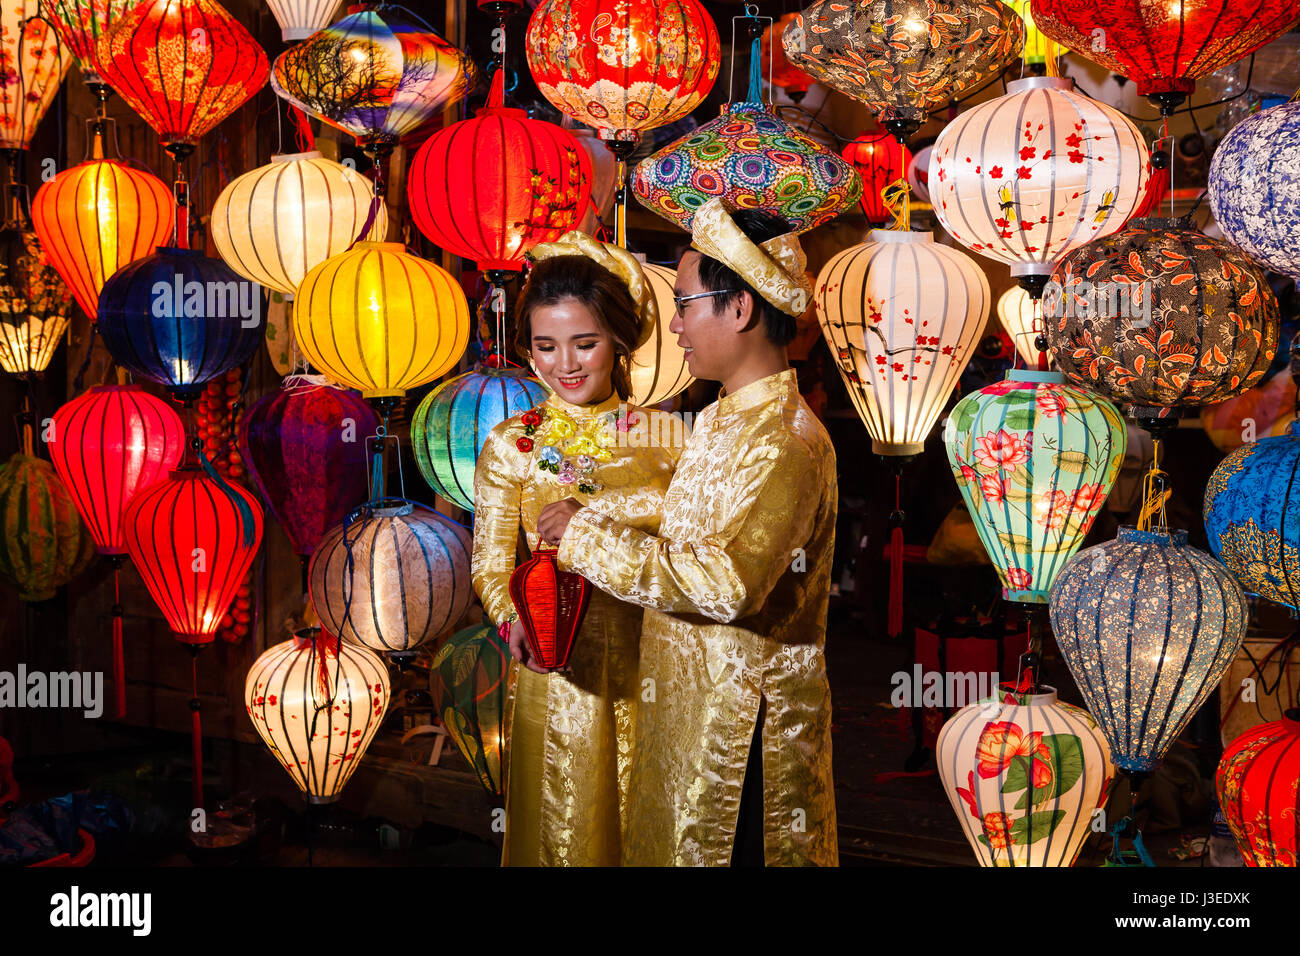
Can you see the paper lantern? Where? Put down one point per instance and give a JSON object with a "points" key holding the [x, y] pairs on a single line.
{"points": [[658, 366], [903, 58], [317, 702], [1160, 315], [1030, 176], [1147, 626], [1254, 187], [380, 74], [901, 315], [35, 305], [80, 24], [551, 605], [34, 63], [305, 447], [1256, 785], [1024, 773], [276, 223], [490, 188], [43, 544], [452, 423], [180, 319], [778, 70], [1164, 46], [1034, 459], [392, 578], [97, 217], [467, 680], [379, 320], [299, 19], [623, 66], [880, 159], [183, 65], [752, 159], [1016, 313], [193, 538], [1036, 48]]}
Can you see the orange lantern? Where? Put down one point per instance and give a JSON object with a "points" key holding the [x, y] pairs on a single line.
{"points": [[778, 70]]}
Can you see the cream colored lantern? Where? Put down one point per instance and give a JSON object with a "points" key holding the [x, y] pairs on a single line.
{"points": [[1016, 313], [299, 19], [659, 366]]}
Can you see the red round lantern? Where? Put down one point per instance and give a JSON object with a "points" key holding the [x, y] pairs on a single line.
{"points": [[880, 159], [490, 188], [1256, 783], [777, 69]]}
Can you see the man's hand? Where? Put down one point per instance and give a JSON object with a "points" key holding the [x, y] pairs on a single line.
{"points": [[519, 648], [554, 520]]}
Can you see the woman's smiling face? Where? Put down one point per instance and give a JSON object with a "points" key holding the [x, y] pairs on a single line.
{"points": [[572, 352]]}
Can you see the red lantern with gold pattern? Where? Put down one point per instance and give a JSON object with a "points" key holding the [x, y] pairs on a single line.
{"points": [[551, 604], [880, 159], [1257, 791]]}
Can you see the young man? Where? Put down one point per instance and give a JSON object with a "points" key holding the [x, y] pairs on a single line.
{"points": [[733, 756]]}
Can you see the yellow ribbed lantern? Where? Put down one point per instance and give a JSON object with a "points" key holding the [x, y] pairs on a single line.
{"points": [[274, 224], [380, 320]]}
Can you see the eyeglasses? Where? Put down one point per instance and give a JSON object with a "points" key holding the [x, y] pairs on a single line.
{"points": [[679, 299]]}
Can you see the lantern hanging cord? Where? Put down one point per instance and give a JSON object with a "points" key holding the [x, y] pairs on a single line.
{"points": [[1155, 493], [85, 362]]}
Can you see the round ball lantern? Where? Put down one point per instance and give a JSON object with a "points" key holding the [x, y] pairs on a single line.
{"points": [[1027, 177], [1254, 187], [379, 320], [276, 223], [35, 63], [1256, 784], [180, 319], [880, 159], [452, 423], [43, 543], [1017, 314], [1160, 315], [35, 305], [299, 19], [317, 702], [901, 315], [658, 366], [1147, 626], [469, 685], [80, 24], [1034, 459], [392, 578], [778, 70], [1024, 773]]}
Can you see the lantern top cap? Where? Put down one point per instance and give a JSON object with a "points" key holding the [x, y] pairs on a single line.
{"points": [[1030, 375], [295, 157], [1291, 719], [1175, 537], [393, 247], [1039, 83], [899, 236], [1045, 697], [389, 508]]}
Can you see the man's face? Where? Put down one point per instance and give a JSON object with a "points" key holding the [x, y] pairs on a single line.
{"points": [[709, 338]]}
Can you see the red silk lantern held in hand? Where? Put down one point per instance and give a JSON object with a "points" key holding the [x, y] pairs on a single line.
{"points": [[551, 604]]}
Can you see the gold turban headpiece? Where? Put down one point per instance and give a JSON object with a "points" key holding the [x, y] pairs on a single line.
{"points": [[776, 269], [617, 260]]}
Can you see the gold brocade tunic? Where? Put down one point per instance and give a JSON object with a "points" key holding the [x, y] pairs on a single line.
{"points": [[569, 736], [737, 584]]}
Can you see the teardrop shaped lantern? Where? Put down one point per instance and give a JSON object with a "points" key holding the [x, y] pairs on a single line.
{"points": [[276, 223], [305, 447], [392, 578], [43, 543], [468, 682], [452, 423], [901, 315], [80, 24], [1017, 314], [1256, 785], [35, 305], [317, 702], [1024, 773], [658, 366], [551, 605], [1034, 459], [880, 159], [34, 63], [1147, 626], [299, 19], [380, 320], [180, 319], [777, 69]]}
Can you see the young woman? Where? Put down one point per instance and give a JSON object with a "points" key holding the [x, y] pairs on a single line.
{"points": [[569, 735]]}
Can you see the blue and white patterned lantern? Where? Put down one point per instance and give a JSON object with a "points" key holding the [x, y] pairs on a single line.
{"points": [[1254, 187]]}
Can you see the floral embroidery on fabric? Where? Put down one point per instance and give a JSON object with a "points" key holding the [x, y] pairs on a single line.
{"points": [[572, 450]]}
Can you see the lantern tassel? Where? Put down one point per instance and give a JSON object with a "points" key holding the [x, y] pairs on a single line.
{"points": [[302, 130], [894, 626], [897, 199], [246, 522], [196, 727], [119, 657], [1155, 493]]}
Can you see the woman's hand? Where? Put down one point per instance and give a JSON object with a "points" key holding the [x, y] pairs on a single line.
{"points": [[519, 648], [554, 519]]}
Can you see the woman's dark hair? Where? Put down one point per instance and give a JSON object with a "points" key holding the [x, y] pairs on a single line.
{"points": [[759, 225], [551, 281]]}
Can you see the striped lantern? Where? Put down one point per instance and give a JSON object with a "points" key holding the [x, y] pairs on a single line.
{"points": [[468, 680], [43, 543], [412, 326], [1024, 773], [1027, 177], [317, 702], [35, 62], [1016, 313], [393, 578], [276, 223], [452, 423], [1256, 785], [880, 159], [901, 315], [35, 305], [1147, 626], [1034, 459], [80, 24], [658, 366], [299, 19]]}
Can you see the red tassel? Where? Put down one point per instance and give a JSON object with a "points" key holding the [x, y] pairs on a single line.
{"points": [[119, 657], [895, 626], [196, 727]]}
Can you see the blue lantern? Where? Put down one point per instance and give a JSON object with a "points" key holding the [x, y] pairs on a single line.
{"points": [[1147, 626], [180, 318]]}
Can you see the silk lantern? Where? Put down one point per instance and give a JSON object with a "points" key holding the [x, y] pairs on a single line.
{"points": [[34, 63], [468, 682], [903, 58], [276, 223], [777, 69], [379, 320], [901, 315], [551, 604], [1024, 773], [1164, 46], [1034, 459], [1028, 177], [1256, 786], [880, 160], [180, 319], [1254, 187], [80, 24], [1147, 626], [299, 19], [35, 305], [490, 188], [452, 423], [1160, 315], [395, 576], [317, 702], [44, 544], [1016, 312], [658, 366]]}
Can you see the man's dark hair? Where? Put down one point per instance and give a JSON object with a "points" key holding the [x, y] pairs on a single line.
{"points": [[759, 225]]}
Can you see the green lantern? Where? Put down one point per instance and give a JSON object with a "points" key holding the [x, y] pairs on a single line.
{"points": [[452, 423], [44, 543], [468, 682], [1034, 459]]}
